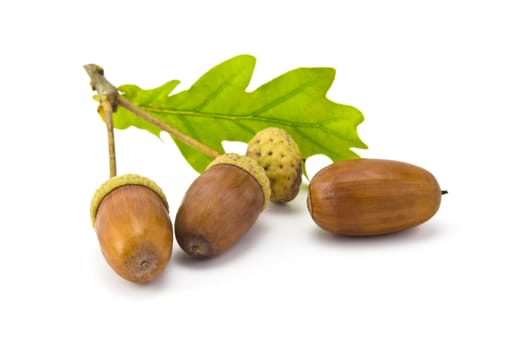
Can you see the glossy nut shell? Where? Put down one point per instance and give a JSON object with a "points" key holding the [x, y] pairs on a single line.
{"points": [[364, 197], [220, 206], [135, 232]]}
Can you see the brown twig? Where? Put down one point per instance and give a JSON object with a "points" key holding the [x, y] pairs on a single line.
{"points": [[110, 99], [106, 94], [108, 117]]}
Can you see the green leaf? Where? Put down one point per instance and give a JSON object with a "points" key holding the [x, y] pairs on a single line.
{"points": [[217, 108]]}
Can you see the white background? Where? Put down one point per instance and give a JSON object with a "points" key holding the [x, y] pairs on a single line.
{"points": [[441, 85]]}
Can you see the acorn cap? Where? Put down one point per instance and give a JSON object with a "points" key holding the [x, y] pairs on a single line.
{"points": [[250, 166], [119, 181], [276, 151]]}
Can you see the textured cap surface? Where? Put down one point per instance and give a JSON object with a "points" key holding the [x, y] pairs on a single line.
{"points": [[279, 155], [119, 181], [250, 166]]}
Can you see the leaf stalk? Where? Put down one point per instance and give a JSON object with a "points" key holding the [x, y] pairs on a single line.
{"points": [[177, 134]]}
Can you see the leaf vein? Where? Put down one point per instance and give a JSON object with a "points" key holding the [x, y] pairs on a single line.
{"points": [[283, 98], [215, 93]]}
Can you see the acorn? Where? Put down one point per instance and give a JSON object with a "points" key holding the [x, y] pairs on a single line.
{"points": [[130, 214], [276, 151], [367, 197], [221, 205]]}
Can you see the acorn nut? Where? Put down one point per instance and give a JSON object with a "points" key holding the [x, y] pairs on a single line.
{"points": [[221, 205], [276, 151], [365, 197], [130, 215]]}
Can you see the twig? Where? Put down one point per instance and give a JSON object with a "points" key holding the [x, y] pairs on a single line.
{"points": [[108, 117], [106, 94], [109, 94]]}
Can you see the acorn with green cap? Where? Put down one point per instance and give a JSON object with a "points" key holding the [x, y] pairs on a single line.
{"points": [[221, 205], [130, 214]]}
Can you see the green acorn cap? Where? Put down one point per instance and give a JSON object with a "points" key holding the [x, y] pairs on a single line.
{"points": [[119, 181], [250, 166]]}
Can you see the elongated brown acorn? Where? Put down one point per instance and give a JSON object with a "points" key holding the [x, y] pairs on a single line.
{"points": [[130, 215], [364, 197], [221, 205]]}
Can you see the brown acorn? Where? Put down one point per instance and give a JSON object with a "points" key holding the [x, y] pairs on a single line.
{"points": [[221, 205], [134, 229], [365, 197]]}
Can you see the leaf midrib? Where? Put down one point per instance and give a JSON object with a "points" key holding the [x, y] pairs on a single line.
{"points": [[296, 125], [230, 117]]}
